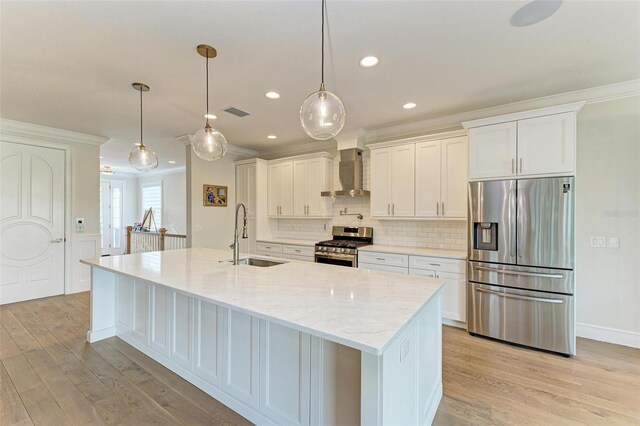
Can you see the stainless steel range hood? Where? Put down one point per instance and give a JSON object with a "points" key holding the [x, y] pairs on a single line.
{"points": [[350, 173]]}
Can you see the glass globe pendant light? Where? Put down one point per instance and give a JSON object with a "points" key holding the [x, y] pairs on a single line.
{"points": [[322, 114], [141, 157], [208, 143]]}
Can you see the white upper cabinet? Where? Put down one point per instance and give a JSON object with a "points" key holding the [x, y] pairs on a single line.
{"points": [[294, 187], [534, 143], [425, 178], [280, 189], [393, 181], [310, 178], [547, 144], [492, 151], [441, 178], [428, 173], [245, 187], [454, 177]]}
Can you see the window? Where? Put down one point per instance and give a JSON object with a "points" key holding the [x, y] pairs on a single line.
{"points": [[152, 198]]}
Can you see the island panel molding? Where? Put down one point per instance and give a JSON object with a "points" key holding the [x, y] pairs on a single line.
{"points": [[258, 327]]}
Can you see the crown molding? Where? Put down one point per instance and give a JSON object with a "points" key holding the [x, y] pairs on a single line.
{"points": [[604, 93], [417, 139], [539, 112], [298, 148], [250, 161], [302, 157], [19, 131], [172, 170]]}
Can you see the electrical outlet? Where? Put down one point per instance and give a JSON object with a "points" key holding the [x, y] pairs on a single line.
{"points": [[614, 242], [598, 241]]}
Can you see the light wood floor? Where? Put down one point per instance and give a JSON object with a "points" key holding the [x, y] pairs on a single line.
{"points": [[50, 375]]}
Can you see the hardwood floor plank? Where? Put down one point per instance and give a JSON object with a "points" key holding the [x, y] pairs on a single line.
{"points": [[485, 382], [12, 410], [219, 412], [181, 408], [42, 407]]}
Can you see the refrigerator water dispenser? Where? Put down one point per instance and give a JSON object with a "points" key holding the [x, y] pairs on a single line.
{"points": [[485, 236]]}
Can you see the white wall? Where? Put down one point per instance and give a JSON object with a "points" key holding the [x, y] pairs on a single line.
{"points": [[212, 226], [174, 199], [608, 204]]}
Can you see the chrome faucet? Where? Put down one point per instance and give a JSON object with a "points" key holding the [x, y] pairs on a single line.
{"points": [[235, 246]]}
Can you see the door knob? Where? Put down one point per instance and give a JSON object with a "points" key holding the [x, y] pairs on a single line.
{"points": [[57, 240]]}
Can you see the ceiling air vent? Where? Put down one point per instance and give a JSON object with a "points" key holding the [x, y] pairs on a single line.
{"points": [[237, 112]]}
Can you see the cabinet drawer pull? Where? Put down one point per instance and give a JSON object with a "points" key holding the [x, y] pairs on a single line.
{"points": [[267, 247], [388, 209], [443, 208], [434, 264], [381, 258], [297, 251], [393, 209], [437, 208]]}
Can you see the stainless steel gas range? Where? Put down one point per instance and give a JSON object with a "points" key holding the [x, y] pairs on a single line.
{"points": [[343, 248]]}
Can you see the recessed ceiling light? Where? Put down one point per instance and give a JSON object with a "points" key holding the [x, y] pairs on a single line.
{"points": [[369, 61], [210, 116], [409, 105], [272, 137], [272, 95], [534, 12], [171, 162]]}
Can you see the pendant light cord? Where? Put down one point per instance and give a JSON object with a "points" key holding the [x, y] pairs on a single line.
{"points": [[207, 67], [322, 74], [141, 143]]}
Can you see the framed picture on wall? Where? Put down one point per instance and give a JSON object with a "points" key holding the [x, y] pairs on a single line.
{"points": [[214, 195]]}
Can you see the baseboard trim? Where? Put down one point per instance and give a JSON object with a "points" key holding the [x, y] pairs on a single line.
{"points": [[609, 335], [94, 336], [454, 323]]}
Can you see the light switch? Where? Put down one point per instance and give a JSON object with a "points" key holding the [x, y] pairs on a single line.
{"points": [[79, 225], [598, 241], [614, 242]]}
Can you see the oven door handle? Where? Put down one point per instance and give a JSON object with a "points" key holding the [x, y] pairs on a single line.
{"points": [[517, 296], [336, 256], [525, 274]]}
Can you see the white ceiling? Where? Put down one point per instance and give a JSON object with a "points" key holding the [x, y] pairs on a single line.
{"points": [[70, 65]]}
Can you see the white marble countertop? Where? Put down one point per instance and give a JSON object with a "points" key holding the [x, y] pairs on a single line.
{"points": [[358, 308], [419, 251], [288, 241]]}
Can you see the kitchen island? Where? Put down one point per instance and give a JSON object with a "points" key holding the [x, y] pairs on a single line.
{"points": [[295, 343]]}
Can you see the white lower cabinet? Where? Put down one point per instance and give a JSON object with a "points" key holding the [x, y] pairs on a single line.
{"points": [[208, 346], [160, 319], [241, 364], [181, 329], [285, 368], [454, 299]]}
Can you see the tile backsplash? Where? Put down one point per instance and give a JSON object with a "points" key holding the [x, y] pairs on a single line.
{"points": [[444, 234]]}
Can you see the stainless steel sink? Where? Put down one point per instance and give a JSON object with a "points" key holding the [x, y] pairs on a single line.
{"points": [[258, 262]]}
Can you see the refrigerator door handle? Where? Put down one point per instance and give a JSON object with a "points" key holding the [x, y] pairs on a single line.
{"points": [[525, 274], [517, 296]]}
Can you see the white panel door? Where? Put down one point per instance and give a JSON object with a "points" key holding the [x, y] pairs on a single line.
{"points": [[428, 178], [403, 181], [105, 217], [207, 362], [300, 170], [240, 372], [492, 151], [316, 182], [273, 189], [242, 185], [286, 187], [381, 182], [160, 319], [454, 296], [547, 144], [32, 236], [181, 328], [285, 368], [454, 177]]}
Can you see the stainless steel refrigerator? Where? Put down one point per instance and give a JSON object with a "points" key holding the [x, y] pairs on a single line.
{"points": [[521, 262]]}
